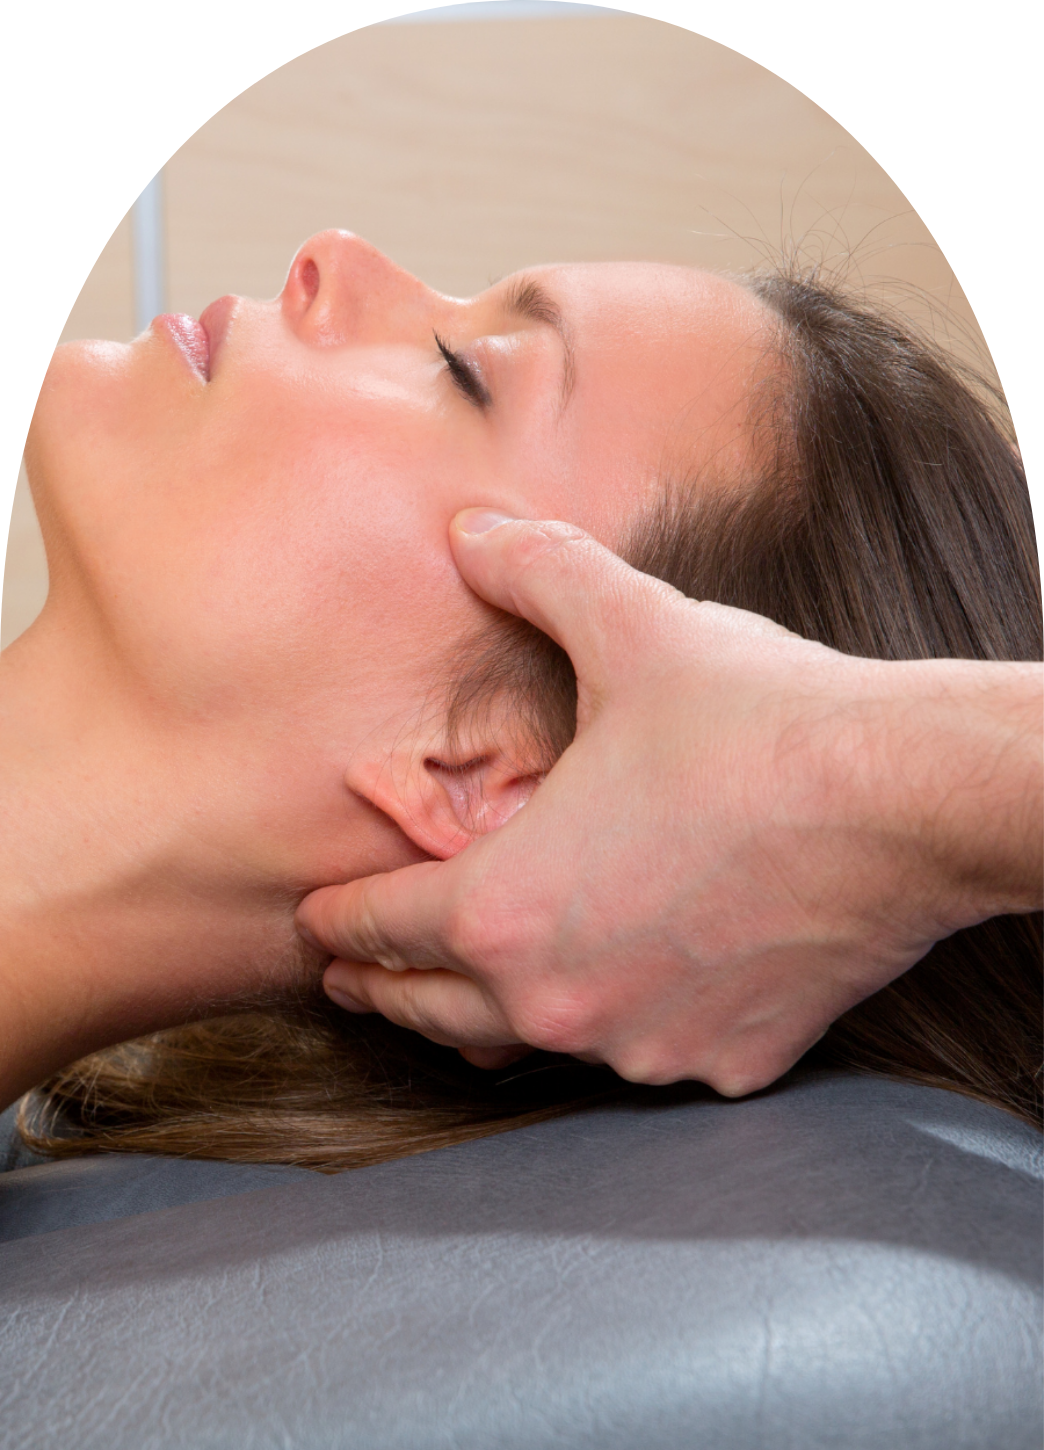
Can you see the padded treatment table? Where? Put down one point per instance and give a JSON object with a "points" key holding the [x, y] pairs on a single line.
{"points": [[838, 1262]]}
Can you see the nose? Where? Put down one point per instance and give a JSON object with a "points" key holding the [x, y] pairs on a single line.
{"points": [[341, 289]]}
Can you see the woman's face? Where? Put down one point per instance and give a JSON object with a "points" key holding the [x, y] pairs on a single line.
{"points": [[250, 513]]}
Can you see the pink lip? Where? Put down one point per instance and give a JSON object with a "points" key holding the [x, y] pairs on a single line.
{"points": [[214, 320], [189, 338]]}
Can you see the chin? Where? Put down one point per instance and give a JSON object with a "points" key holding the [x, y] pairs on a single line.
{"points": [[90, 399], [78, 435], [83, 378]]}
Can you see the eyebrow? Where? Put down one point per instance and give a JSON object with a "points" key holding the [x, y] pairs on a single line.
{"points": [[528, 300]]}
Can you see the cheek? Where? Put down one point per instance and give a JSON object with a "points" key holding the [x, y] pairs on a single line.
{"points": [[306, 548], [246, 537], [314, 502]]}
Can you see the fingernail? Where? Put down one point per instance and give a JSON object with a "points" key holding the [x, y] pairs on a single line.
{"points": [[342, 999], [306, 936], [481, 521]]}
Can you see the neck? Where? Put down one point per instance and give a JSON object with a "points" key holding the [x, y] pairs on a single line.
{"points": [[136, 885]]}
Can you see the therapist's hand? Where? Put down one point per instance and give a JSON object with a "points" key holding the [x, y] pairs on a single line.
{"points": [[749, 834]]}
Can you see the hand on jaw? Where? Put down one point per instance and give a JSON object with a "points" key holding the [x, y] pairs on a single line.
{"points": [[750, 834]]}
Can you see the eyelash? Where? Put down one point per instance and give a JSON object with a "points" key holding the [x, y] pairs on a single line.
{"points": [[464, 377]]}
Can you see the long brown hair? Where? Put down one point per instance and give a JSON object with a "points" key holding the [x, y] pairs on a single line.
{"points": [[890, 518]]}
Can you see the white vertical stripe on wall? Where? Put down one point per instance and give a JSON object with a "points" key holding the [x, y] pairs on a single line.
{"points": [[149, 262]]}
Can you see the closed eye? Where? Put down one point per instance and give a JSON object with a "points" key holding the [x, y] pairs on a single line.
{"points": [[465, 376]]}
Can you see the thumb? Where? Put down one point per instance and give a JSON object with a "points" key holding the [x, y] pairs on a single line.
{"points": [[553, 574]]}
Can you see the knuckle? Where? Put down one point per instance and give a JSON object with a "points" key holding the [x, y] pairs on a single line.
{"points": [[540, 542], [737, 1075], [563, 1022], [657, 1064], [658, 1061], [465, 933], [483, 934], [363, 927], [638, 1065], [735, 1084], [412, 1000], [652, 1061], [403, 1001], [547, 554]]}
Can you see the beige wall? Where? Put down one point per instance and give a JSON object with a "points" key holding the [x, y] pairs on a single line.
{"points": [[466, 150]]}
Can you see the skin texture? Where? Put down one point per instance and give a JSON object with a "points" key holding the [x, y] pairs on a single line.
{"points": [[750, 834], [227, 700]]}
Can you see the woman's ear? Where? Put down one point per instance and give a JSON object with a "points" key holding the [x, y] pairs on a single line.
{"points": [[443, 804]]}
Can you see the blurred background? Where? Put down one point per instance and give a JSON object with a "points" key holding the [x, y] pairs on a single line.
{"points": [[474, 140]]}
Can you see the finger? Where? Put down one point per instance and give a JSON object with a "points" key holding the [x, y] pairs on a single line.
{"points": [[396, 919], [560, 579], [441, 1005]]}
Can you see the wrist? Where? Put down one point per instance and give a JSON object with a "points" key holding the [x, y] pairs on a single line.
{"points": [[957, 773]]}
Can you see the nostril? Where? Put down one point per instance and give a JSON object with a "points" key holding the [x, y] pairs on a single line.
{"points": [[310, 279]]}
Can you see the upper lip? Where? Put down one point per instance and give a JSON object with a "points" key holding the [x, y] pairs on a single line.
{"points": [[214, 321]]}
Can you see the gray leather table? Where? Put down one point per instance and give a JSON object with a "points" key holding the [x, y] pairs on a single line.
{"points": [[841, 1262]]}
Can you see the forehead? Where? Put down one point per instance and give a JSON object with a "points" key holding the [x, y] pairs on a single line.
{"points": [[673, 336], [651, 300], [666, 358]]}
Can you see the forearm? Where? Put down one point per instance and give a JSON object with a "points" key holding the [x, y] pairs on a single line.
{"points": [[959, 760], [996, 821]]}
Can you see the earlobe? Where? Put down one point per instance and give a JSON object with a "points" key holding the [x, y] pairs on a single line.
{"points": [[443, 805]]}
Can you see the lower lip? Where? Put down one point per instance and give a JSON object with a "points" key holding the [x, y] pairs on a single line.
{"points": [[189, 338]]}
